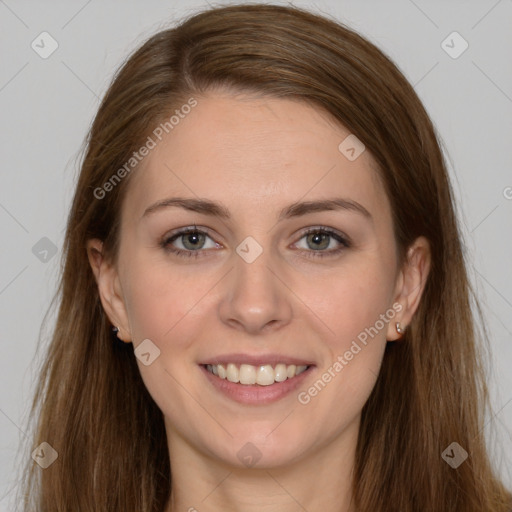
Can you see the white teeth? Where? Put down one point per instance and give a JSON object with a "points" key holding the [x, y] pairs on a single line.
{"points": [[290, 371], [247, 374], [265, 375], [232, 372], [280, 373], [222, 373]]}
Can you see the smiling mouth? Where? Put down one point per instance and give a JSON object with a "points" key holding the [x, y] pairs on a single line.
{"points": [[263, 375]]}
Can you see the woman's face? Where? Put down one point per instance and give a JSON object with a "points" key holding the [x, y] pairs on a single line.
{"points": [[251, 286]]}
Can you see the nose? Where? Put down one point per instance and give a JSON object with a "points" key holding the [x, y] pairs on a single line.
{"points": [[255, 298]]}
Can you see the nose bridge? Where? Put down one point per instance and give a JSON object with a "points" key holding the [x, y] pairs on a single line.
{"points": [[252, 268], [255, 296]]}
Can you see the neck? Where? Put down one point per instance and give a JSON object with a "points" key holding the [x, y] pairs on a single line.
{"points": [[320, 479]]}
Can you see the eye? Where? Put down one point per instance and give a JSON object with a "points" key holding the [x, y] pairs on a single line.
{"points": [[191, 239], [321, 238]]}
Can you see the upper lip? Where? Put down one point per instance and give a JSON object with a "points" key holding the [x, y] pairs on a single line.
{"points": [[257, 360]]}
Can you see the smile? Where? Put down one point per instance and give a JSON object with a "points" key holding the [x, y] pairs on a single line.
{"points": [[262, 375], [256, 384]]}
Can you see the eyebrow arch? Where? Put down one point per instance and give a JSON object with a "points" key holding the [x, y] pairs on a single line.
{"points": [[208, 207]]}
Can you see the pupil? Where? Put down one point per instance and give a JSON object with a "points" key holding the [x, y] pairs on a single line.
{"points": [[192, 239], [317, 238]]}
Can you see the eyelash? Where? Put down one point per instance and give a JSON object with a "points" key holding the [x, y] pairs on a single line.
{"points": [[166, 242]]}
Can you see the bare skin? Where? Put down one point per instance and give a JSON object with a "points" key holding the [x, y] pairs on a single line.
{"points": [[256, 156]]}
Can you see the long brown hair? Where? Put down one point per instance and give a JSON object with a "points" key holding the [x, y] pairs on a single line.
{"points": [[91, 404]]}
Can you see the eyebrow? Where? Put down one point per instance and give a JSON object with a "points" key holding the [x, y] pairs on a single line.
{"points": [[208, 207]]}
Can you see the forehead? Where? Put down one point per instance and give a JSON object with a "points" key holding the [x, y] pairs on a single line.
{"points": [[245, 151]]}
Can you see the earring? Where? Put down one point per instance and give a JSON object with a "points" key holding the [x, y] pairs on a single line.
{"points": [[116, 330], [399, 329]]}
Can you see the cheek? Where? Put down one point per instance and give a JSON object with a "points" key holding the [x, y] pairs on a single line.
{"points": [[159, 298], [355, 312], [168, 308], [351, 301]]}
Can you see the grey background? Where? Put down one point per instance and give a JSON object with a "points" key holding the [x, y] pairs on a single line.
{"points": [[48, 104]]}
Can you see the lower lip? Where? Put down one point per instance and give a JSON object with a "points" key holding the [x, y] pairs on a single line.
{"points": [[256, 394]]}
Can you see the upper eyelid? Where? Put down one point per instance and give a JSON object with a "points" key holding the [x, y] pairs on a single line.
{"points": [[189, 229]]}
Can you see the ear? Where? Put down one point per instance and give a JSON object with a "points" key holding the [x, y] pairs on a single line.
{"points": [[410, 285], [109, 289]]}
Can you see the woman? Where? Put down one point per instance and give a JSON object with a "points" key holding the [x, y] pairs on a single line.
{"points": [[264, 217]]}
